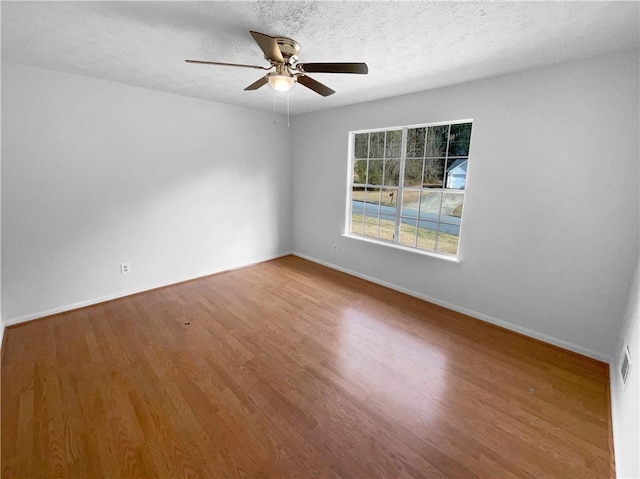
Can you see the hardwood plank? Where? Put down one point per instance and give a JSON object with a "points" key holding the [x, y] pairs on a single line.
{"points": [[291, 369]]}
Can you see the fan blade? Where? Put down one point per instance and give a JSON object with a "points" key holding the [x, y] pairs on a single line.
{"points": [[269, 46], [359, 68], [229, 64], [314, 85], [257, 84]]}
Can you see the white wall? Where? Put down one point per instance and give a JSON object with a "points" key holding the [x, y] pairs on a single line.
{"points": [[97, 173], [1, 320], [625, 404], [551, 215]]}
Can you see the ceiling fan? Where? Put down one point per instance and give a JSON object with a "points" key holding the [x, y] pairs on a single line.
{"points": [[283, 53]]}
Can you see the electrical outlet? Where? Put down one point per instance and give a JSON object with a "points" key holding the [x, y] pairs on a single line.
{"points": [[335, 248], [125, 268]]}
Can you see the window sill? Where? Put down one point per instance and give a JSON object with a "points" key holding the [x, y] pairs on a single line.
{"points": [[452, 259]]}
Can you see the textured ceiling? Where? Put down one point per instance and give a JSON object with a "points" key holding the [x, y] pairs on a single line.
{"points": [[409, 46]]}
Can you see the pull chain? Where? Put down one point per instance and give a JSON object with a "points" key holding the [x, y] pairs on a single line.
{"points": [[274, 109]]}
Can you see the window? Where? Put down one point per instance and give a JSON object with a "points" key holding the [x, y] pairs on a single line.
{"points": [[407, 185]]}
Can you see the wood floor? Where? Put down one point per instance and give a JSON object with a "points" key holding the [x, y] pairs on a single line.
{"points": [[290, 369]]}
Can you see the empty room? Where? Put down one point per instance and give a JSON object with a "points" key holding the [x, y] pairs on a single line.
{"points": [[269, 239]]}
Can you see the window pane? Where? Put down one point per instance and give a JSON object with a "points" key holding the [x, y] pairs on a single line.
{"points": [[360, 172], [451, 209], [376, 145], [413, 173], [361, 145], [371, 212], [371, 226], [357, 206], [457, 173], [388, 200], [356, 225], [427, 231], [357, 210], [434, 173], [387, 227], [375, 172], [391, 172], [430, 205], [357, 193], [448, 238], [372, 198], [415, 142], [408, 232], [437, 141], [410, 201], [394, 144], [459, 139]]}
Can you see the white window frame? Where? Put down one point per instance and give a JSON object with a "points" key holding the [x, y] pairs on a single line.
{"points": [[400, 190]]}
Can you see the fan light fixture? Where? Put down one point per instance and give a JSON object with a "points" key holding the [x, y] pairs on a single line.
{"points": [[281, 81]]}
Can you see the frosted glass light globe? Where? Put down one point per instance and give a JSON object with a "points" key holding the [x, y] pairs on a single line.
{"points": [[281, 82]]}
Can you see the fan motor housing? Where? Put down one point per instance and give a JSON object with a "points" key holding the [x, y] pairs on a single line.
{"points": [[289, 49]]}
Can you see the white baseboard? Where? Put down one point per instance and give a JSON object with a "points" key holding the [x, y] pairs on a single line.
{"points": [[474, 314], [90, 302]]}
